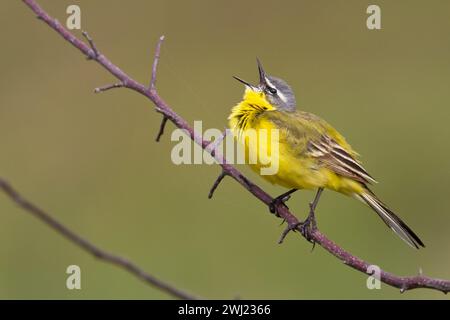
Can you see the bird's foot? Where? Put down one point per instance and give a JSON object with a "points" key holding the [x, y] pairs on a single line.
{"points": [[280, 202], [305, 227], [309, 225], [277, 203]]}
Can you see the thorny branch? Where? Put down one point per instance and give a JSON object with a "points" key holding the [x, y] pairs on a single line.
{"points": [[403, 283]]}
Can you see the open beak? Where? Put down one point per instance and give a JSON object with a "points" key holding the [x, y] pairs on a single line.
{"points": [[262, 78], [246, 83]]}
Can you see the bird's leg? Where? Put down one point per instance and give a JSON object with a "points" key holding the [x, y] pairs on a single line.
{"points": [[310, 222], [280, 200]]}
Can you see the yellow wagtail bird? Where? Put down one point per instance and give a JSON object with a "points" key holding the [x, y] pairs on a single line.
{"points": [[312, 154]]}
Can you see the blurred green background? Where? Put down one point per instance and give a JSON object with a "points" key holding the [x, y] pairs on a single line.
{"points": [[91, 160]]}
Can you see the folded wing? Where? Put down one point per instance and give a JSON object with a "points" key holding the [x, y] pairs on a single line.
{"points": [[336, 158]]}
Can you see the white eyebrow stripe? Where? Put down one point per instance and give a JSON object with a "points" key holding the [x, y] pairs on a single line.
{"points": [[279, 93], [269, 83]]}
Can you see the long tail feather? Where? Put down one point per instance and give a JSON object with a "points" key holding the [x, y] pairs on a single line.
{"points": [[391, 219]]}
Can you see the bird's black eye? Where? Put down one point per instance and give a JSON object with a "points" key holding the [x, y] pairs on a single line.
{"points": [[272, 90]]}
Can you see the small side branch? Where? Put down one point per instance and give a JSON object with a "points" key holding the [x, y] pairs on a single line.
{"points": [[108, 87], [155, 63], [121, 262], [95, 54]]}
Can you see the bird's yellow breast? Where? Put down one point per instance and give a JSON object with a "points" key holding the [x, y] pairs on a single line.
{"points": [[248, 120], [245, 112]]}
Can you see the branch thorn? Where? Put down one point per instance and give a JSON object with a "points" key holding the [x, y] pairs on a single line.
{"points": [[161, 128], [219, 179], [286, 231]]}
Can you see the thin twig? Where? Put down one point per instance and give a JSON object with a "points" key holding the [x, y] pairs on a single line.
{"points": [[155, 63], [403, 283], [92, 44], [108, 87], [88, 246]]}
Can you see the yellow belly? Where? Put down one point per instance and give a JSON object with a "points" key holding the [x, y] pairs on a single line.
{"points": [[294, 169]]}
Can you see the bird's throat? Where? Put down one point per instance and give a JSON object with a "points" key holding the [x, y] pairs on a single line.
{"points": [[245, 112]]}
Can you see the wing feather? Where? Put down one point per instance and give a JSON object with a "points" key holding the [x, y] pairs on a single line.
{"points": [[337, 159]]}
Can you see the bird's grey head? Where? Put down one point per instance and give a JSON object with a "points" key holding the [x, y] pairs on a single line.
{"points": [[276, 90]]}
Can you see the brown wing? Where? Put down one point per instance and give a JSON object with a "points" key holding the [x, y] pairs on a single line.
{"points": [[337, 159]]}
